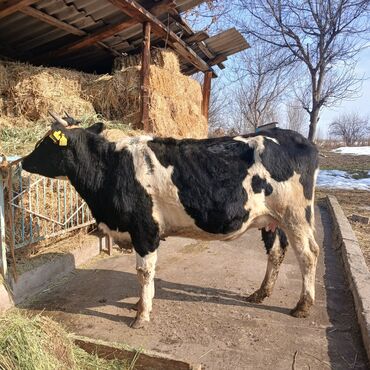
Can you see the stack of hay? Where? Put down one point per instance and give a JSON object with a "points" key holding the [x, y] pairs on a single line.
{"points": [[175, 99], [28, 92]]}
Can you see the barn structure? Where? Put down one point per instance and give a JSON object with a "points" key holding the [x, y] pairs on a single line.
{"points": [[92, 37], [88, 35]]}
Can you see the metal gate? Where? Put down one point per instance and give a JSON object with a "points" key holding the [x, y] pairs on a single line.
{"points": [[35, 208]]}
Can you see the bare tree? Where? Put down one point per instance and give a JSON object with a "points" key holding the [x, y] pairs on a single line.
{"points": [[350, 127], [322, 35], [260, 85], [207, 15], [295, 116]]}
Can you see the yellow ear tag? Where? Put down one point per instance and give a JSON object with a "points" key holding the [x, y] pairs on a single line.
{"points": [[63, 140], [59, 137]]}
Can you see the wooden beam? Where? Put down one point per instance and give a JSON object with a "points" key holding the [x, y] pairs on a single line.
{"points": [[197, 37], [206, 93], [218, 59], [13, 6], [140, 14], [44, 17], [145, 70]]}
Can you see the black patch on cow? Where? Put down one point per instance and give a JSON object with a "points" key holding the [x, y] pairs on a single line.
{"points": [[268, 237], [308, 213], [259, 184], [149, 163], [294, 153], [209, 177]]}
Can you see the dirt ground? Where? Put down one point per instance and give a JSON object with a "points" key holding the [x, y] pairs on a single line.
{"points": [[344, 162], [354, 202], [200, 313]]}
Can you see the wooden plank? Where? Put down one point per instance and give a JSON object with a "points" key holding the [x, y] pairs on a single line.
{"points": [[218, 59], [94, 38], [13, 6], [197, 37], [206, 93], [145, 70], [140, 14], [109, 243]]}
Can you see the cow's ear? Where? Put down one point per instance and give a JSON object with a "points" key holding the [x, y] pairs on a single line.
{"points": [[96, 128]]}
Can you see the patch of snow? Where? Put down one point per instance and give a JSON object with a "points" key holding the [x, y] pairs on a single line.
{"points": [[342, 180], [353, 150]]}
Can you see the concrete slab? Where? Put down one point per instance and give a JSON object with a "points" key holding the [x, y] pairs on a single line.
{"points": [[200, 313]]}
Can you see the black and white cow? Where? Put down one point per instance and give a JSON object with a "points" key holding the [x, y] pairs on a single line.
{"points": [[206, 189]]}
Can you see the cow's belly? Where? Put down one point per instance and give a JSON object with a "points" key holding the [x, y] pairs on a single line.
{"points": [[173, 220]]}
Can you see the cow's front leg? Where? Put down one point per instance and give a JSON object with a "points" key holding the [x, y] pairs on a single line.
{"points": [[145, 267]]}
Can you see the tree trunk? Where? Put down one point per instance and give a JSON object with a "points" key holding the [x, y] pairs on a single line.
{"points": [[314, 118]]}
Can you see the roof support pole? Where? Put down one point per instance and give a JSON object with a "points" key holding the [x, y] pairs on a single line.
{"points": [[206, 93], [145, 70]]}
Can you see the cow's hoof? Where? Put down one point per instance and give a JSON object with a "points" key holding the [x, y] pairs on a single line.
{"points": [[139, 323], [299, 312], [257, 297]]}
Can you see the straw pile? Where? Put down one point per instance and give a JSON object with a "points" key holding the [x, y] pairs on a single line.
{"points": [[27, 93], [175, 99], [39, 343]]}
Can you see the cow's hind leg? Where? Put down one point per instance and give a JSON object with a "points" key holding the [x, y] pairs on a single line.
{"points": [[275, 244], [306, 249], [145, 267]]}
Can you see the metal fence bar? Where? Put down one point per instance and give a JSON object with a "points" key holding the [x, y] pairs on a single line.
{"points": [[4, 265]]}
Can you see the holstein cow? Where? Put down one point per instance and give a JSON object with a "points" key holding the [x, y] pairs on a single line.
{"points": [[205, 189]]}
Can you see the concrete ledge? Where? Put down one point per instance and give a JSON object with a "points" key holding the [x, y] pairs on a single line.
{"points": [[39, 278], [357, 272], [145, 360]]}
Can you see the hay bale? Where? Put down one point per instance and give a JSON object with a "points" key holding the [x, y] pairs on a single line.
{"points": [[116, 97], [177, 119], [31, 91], [161, 58]]}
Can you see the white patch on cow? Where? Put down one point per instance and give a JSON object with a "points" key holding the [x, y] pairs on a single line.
{"points": [[168, 211], [272, 139], [128, 141], [255, 142]]}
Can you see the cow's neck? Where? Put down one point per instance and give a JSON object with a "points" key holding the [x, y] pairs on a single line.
{"points": [[90, 172]]}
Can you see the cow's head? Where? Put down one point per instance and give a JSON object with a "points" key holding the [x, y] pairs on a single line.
{"points": [[53, 152]]}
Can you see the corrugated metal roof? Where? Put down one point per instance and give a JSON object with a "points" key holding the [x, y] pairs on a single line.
{"points": [[24, 37]]}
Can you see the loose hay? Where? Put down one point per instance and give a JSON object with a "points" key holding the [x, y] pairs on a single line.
{"points": [[39, 343]]}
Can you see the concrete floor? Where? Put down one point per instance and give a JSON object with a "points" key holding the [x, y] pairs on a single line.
{"points": [[200, 314]]}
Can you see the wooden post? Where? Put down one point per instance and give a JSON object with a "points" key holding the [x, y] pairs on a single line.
{"points": [[109, 243], [145, 69], [206, 93]]}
